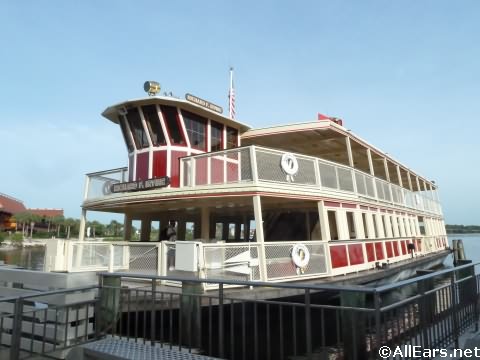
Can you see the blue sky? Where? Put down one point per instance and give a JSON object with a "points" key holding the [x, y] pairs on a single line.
{"points": [[404, 75]]}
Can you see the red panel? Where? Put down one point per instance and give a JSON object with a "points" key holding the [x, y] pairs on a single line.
{"points": [[175, 167], [142, 166], [232, 172], [395, 248], [388, 245], [355, 253], [404, 247], [370, 248], [332, 204], [363, 207], [338, 254], [159, 164], [201, 171], [216, 170], [349, 206], [379, 251]]}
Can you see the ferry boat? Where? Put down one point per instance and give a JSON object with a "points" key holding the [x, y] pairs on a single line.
{"points": [[295, 202]]}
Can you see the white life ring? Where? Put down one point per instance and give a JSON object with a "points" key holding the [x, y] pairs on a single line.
{"points": [[107, 187], [300, 255], [289, 164]]}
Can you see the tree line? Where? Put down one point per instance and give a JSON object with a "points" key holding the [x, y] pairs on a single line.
{"points": [[462, 229], [33, 225]]}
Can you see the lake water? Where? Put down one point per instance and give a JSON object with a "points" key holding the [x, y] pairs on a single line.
{"points": [[33, 258]]}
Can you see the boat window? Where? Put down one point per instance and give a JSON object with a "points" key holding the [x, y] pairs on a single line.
{"points": [[232, 135], [315, 226], [196, 126], [412, 225], [153, 124], [401, 225], [189, 230], [392, 220], [218, 231], [332, 222], [252, 227], [155, 230], [231, 231], [242, 232], [126, 135], [216, 136], [375, 228], [170, 115], [421, 225], [365, 228], [351, 225], [138, 132], [384, 222]]}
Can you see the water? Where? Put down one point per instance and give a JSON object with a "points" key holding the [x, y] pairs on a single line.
{"points": [[33, 257]]}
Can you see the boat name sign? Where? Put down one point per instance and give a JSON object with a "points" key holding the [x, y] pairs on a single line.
{"points": [[204, 103], [289, 166], [136, 185]]}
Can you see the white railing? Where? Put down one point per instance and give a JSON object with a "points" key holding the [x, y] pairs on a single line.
{"points": [[255, 165], [258, 164], [98, 184]]}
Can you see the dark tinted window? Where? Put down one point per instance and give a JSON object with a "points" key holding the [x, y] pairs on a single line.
{"points": [[170, 116], [126, 135], [153, 124], [138, 132], [232, 135], [216, 137], [196, 126]]}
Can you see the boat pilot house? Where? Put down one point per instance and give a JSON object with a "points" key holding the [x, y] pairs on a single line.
{"points": [[284, 203]]}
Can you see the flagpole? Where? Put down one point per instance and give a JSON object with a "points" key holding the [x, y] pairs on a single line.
{"points": [[231, 97]]}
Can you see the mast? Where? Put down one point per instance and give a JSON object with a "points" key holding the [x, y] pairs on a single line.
{"points": [[231, 97]]}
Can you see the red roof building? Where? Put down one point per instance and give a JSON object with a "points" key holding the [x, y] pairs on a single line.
{"points": [[10, 206]]}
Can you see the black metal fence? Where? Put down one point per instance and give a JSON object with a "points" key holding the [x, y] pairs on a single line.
{"points": [[256, 321]]}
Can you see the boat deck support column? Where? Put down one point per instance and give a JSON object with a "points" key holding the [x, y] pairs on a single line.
{"points": [[257, 209], [83, 222]]}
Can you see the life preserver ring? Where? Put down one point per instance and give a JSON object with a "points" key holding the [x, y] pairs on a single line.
{"points": [[289, 164], [300, 255], [107, 187]]}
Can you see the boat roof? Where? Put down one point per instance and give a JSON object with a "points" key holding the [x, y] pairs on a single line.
{"points": [[111, 112], [322, 138]]}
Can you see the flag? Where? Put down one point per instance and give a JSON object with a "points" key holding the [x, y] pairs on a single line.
{"points": [[323, 117], [231, 97]]}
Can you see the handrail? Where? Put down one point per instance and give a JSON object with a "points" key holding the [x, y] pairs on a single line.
{"points": [[353, 288]]}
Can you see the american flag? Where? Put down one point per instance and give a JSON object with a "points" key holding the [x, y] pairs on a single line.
{"points": [[231, 97]]}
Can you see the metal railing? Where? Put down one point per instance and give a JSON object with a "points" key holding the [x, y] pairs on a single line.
{"points": [[282, 321], [262, 321], [243, 261], [254, 164], [258, 164]]}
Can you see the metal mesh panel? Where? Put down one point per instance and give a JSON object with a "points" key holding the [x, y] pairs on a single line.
{"points": [[345, 179], [280, 264], [245, 165], [369, 184], [217, 169], [269, 168], [143, 259], [170, 259], [90, 255], [328, 175], [386, 190], [361, 186], [380, 192], [231, 262]]}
